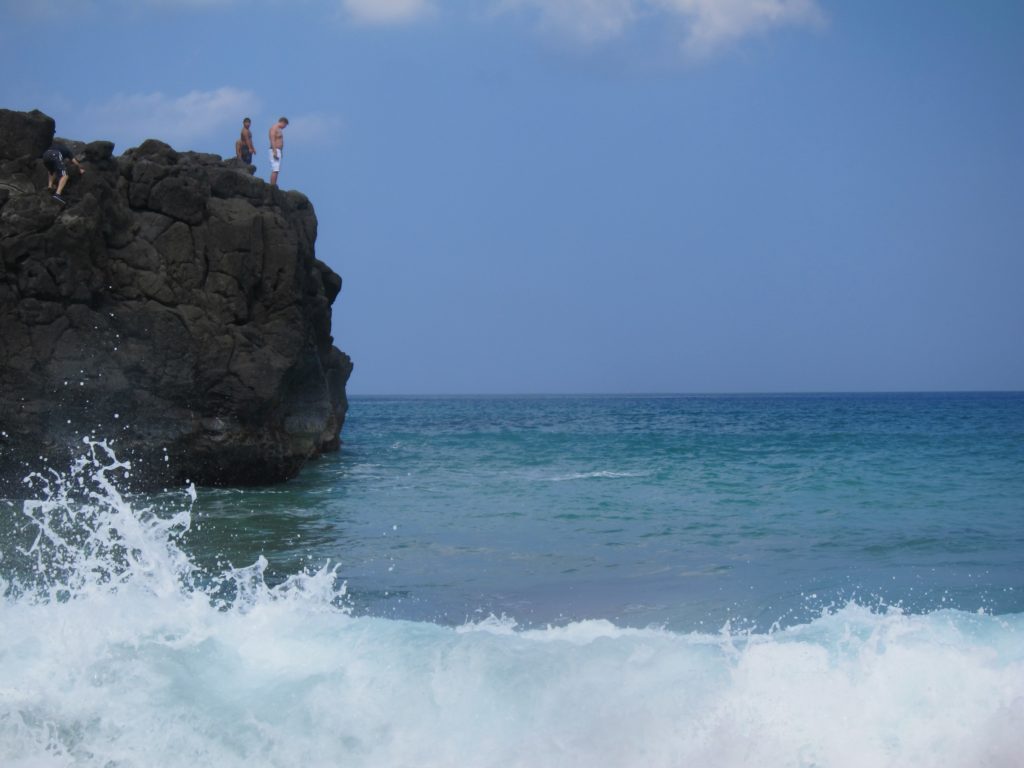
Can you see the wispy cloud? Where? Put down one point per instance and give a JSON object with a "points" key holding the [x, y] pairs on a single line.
{"points": [[714, 23], [586, 21], [315, 128], [705, 25], [188, 121], [386, 11], [363, 11]]}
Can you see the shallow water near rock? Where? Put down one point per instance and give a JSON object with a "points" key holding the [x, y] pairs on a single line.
{"points": [[618, 581]]}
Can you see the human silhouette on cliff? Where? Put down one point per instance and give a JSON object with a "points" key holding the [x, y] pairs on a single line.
{"points": [[276, 148], [56, 159], [244, 149]]}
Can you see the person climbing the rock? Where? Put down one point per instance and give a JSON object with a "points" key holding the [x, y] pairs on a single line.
{"points": [[244, 149], [276, 148], [55, 159]]}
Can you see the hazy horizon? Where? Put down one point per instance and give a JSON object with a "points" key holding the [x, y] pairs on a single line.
{"points": [[734, 393]]}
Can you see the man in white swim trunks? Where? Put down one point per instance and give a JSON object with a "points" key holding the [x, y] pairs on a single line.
{"points": [[276, 148]]}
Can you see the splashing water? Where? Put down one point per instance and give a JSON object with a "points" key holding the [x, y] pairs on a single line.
{"points": [[87, 538], [117, 651]]}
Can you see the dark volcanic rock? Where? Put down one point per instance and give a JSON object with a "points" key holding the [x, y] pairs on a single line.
{"points": [[174, 307], [25, 134]]}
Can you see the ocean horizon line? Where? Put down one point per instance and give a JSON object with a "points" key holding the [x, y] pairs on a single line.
{"points": [[694, 394]]}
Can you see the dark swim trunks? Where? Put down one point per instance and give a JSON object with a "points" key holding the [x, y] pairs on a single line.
{"points": [[54, 162]]}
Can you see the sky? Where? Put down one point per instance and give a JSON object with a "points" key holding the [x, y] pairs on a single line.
{"points": [[602, 196]]}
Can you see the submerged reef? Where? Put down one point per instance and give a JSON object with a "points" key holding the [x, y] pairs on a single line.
{"points": [[173, 306]]}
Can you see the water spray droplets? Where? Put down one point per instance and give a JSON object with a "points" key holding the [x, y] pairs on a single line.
{"points": [[83, 537]]}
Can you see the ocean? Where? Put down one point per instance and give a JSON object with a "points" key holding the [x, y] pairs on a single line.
{"points": [[778, 580]]}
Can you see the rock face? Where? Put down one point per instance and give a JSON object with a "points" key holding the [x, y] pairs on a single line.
{"points": [[173, 307]]}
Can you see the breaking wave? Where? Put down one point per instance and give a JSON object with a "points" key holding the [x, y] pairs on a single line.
{"points": [[117, 650]]}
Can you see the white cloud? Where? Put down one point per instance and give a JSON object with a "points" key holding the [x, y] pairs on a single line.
{"points": [[186, 122], [706, 25], [713, 23], [588, 21], [364, 11], [386, 11]]}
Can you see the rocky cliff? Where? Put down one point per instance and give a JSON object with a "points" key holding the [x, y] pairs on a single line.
{"points": [[174, 307]]}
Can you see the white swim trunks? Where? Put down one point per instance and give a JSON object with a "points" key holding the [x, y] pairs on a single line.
{"points": [[275, 159]]}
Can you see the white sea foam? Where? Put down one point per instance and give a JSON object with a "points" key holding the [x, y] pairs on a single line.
{"points": [[123, 654], [601, 473]]}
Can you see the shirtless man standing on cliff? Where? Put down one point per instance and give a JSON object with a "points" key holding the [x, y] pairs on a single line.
{"points": [[243, 147], [276, 148]]}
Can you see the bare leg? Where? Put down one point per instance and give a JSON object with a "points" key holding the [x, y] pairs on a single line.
{"points": [[61, 184]]}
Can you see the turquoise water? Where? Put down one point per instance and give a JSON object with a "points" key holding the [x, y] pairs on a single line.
{"points": [[675, 511], [827, 580]]}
